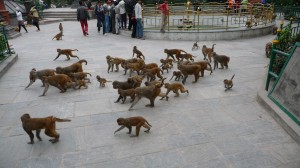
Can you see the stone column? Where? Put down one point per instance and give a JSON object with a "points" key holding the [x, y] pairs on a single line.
{"points": [[4, 13]]}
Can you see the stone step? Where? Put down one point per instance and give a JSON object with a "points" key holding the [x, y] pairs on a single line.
{"points": [[65, 15]]}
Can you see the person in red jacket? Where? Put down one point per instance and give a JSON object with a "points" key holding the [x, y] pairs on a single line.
{"points": [[164, 15]]}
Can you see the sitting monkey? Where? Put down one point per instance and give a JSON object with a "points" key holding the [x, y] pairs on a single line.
{"points": [[30, 124], [137, 121], [175, 87], [228, 83], [34, 74]]}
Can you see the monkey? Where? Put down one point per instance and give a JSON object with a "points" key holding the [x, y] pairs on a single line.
{"points": [[175, 87], [58, 36], [161, 94], [125, 85], [80, 83], [207, 52], [166, 61], [204, 66], [268, 49], [124, 93], [66, 52], [137, 66], [150, 76], [228, 83], [75, 67], [80, 76], [48, 123], [180, 57], [150, 65], [150, 92], [111, 61], [222, 59], [138, 53], [102, 81], [61, 29], [137, 121], [126, 62], [195, 46], [189, 70], [172, 52], [154, 71], [60, 81], [248, 24], [177, 75], [136, 80], [274, 30], [165, 67], [34, 74]]}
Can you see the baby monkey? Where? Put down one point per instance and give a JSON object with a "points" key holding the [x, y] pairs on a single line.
{"points": [[137, 121], [228, 83], [195, 46], [138, 53], [102, 81]]}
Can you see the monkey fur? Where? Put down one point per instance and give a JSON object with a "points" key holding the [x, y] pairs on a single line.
{"points": [[48, 123], [75, 67], [190, 70], [102, 81], [66, 52], [177, 75], [172, 52], [80, 83], [34, 74], [207, 52], [61, 29], [138, 53], [165, 67], [80, 76], [187, 56], [124, 93], [111, 61], [222, 59], [205, 65], [137, 121], [195, 46], [161, 94], [60, 81], [268, 49], [175, 87], [150, 65], [58, 36], [154, 71], [228, 83], [166, 61]]}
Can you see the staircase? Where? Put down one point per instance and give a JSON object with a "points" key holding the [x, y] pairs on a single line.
{"points": [[67, 14]]}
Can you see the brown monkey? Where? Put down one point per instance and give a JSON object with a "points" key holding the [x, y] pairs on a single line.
{"points": [[166, 61], [58, 36], [228, 83], [124, 93], [161, 94], [165, 67], [137, 66], [60, 81], [48, 123], [248, 24], [136, 80], [205, 65], [138, 53], [150, 92], [172, 52], [80, 76], [125, 85], [61, 29], [75, 67], [268, 49], [111, 61], [222, 59], [207, 52], [190, 70], [150, 65], [154, 71], [66, 52], [126, 62], [102, 81], [187, 56], [80, 83], [34, 74], [175, 87], [177, 75], [150, 76], [137, 121], [195, 46]]}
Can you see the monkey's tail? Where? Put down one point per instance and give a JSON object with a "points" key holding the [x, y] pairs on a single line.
{"points": [[232, 76], [213, 47], [228, 59], [61, 120], [88, 73], [75, 50], [83, 60], [183, 51], [108, 81], [148, 123]]}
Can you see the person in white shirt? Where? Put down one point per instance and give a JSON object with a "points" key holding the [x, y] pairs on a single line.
{"points": [[20, 19], [123, 14], [138, 16]]}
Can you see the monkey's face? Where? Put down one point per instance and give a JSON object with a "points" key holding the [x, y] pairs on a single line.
{"points": [[25, 116], [120, 121], [167, 85], [204, 46], [108, 57], [58, 50], [58, 70], [134, 47], [115, 84]]}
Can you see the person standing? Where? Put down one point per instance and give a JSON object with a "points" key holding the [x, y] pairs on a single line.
{"points": [[107, 18], [129, 6], [123, 14], [117, 19], [35, 17], [20, 19], [138, 16], [99, 12], [112, 15], [82, 17], [133, 22], [244, 5], [164, 15]]}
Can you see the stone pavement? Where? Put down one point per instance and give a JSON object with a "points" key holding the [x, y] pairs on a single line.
{"points": [[207, 128]]}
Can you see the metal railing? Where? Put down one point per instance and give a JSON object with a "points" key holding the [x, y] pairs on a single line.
{"points": [[208, 16], [5, 50]]}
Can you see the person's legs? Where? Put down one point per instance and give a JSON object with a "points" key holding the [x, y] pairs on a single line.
{"points": [[82, 27], [103, 25], [117, 25], [130, 21], [139, 28], [86, 27], [133, 35], [123, 21], [98, 24], [19, 27], [24, 28]]}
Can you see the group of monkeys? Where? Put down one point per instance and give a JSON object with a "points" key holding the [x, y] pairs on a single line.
{"points": [[73, 76]]}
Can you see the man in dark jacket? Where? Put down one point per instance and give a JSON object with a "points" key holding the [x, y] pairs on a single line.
{"points": [[100, 11], [83, 16]]}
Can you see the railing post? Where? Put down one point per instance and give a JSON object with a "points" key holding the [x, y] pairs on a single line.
{"points": [[227, 20], [198, 12]]}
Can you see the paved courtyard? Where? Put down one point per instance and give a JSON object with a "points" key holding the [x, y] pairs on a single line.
{"points": [[208, 128]]}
